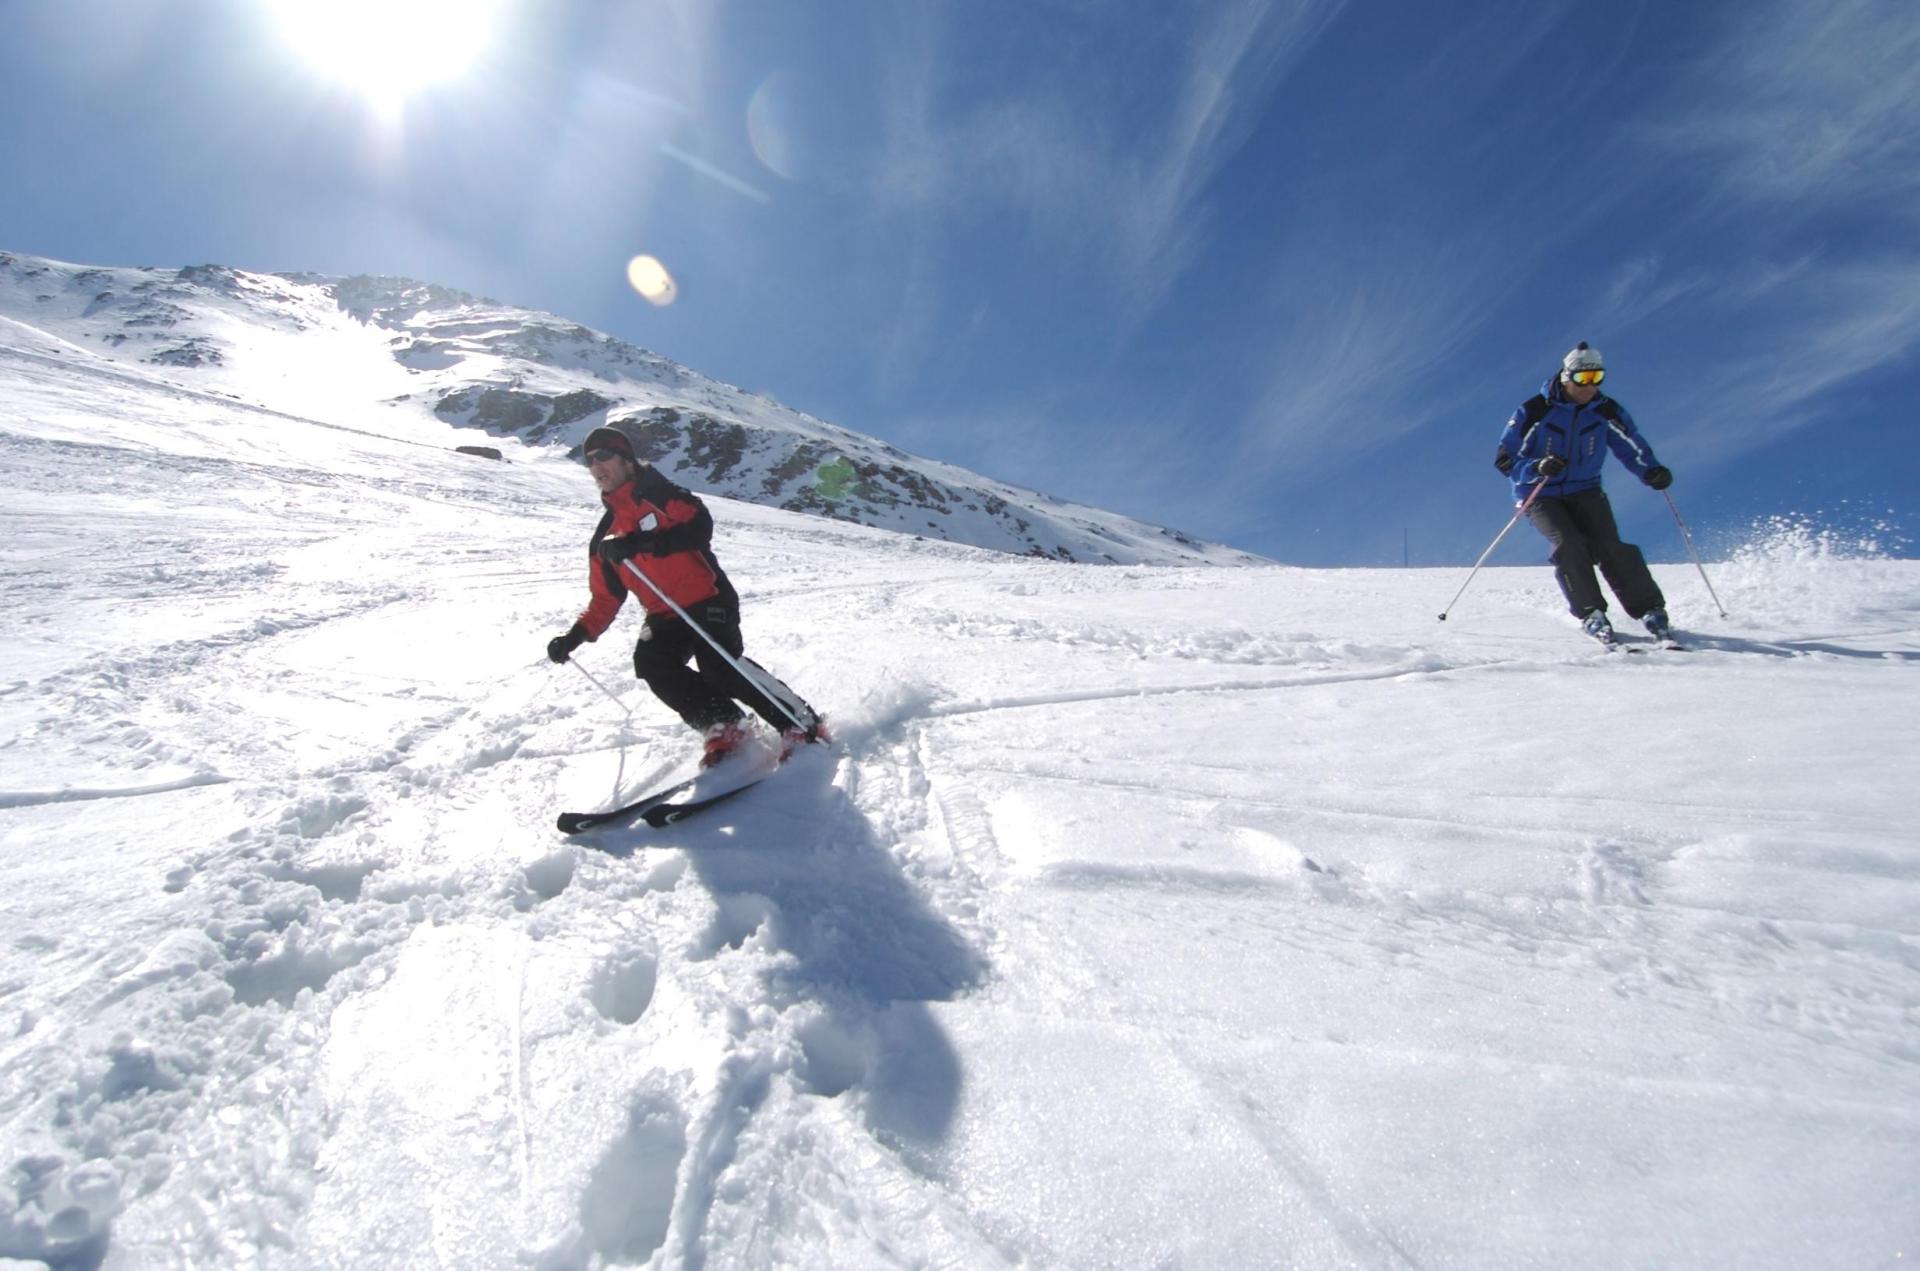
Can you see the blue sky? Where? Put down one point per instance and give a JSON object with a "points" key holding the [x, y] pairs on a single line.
{"points": [[1272, 273]]}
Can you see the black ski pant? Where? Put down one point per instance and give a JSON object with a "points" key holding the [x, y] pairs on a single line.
{"points": [[705, 693], [1581, 529]]}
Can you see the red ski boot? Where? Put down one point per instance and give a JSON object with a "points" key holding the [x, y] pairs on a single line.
{"points": [[794, 738], [720, 742]]}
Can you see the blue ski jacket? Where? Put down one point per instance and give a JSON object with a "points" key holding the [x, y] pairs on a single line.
{"points": [[1551, 424]]}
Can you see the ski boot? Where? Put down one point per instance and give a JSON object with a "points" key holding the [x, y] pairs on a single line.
{"points": [[794, 738], [1596, 625], [720, 742]]}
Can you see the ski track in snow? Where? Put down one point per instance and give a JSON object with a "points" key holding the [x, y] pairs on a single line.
{"points": [[306, 905], [1125, 893]]}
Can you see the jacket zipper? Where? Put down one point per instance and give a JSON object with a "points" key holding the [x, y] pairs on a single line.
{"points": [[1573, 437]]}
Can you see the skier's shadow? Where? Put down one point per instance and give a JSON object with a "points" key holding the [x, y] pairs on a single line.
{"points": [[795, 866], [1795, 648]]}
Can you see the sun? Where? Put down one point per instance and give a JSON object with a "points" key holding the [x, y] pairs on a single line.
{"points": [[387, 50]]}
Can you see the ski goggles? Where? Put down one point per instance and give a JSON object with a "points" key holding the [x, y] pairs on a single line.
{"points": [[601, 456], [1586, 379]]}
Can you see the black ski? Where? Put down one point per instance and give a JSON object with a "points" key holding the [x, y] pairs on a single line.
{"points": [[661, 815], [574, 822], [1660, 646], [660, 808]]}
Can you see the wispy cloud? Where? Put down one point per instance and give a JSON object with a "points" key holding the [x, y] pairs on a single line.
{"points": [[1397, 255], [1232, 70], [1824, 326], [1106, 161], [1642, 287], [1808, 103], [1367, 332], [1806, 125]]}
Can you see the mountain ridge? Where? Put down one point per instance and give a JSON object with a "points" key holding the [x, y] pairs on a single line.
{"points": [[544, 381]]}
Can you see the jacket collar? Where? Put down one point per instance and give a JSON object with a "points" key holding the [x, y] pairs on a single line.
{"points": [[622, 493]]}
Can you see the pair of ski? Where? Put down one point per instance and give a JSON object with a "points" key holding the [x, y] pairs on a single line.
{"points": [[705, 789], [1667, 644], [674, 804]]}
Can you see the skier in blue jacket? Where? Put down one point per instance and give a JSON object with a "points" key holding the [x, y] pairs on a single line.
{"points": [[1561, 437]]}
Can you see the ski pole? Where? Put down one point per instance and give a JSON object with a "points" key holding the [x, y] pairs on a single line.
{"points": [[746, 671], [1687, 537], [1518, 513], [597, 684]]}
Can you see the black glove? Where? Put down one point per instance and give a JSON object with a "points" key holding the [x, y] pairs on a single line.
{"points": [[1658, 477], [561, 647], [1551, 466], [1503, 461], [638, 543]]}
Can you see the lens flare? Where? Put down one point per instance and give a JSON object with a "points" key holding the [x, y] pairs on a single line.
{"points": [[650, 278], [775, 126]]}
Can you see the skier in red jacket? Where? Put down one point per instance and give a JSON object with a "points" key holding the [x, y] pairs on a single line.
{"points": [[666, 533]]}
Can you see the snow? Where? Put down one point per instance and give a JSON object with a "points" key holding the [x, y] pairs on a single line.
{"points": [[1137, 917]]}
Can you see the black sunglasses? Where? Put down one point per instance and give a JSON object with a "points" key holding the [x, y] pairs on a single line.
{"points": [[601, 456]]}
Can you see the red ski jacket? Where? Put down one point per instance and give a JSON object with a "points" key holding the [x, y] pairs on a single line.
{"points": [[675, 551]]}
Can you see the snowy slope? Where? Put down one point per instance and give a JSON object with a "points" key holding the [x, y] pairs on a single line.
{"points": [[403, 359], [1140, 917]]}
